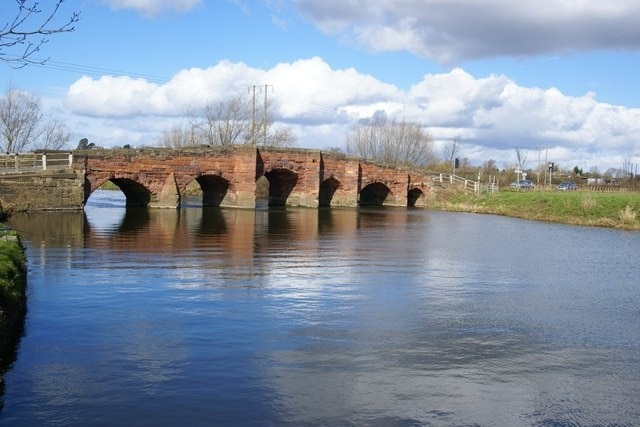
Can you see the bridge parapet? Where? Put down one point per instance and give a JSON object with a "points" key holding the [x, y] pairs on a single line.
{"points": [[34, 162]]}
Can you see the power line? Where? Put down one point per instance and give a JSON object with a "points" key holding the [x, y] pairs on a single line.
{"points": [[96, 71]]}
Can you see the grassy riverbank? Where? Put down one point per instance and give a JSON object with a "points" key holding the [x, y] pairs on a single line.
{"points": [[13, 277], [615, 210]]}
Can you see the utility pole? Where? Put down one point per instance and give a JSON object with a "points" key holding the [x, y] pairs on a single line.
{"points": [[252, 89], [546, 162], [540, 147], [264, 115], [253, 116]]}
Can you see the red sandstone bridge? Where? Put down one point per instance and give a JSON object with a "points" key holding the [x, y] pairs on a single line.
{"points": [[243, 177], [246, 177]]}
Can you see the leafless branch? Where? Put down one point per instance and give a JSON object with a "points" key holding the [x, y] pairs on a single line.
{"points": [[26, 33], [391, 142]]}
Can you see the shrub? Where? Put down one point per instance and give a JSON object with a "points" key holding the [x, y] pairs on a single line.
{"points": [[628, 215], [13, 274]]}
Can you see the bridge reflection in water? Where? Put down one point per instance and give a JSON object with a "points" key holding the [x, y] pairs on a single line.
{"points": [[240, 234]]}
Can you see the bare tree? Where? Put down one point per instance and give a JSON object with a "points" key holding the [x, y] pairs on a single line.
{"points": [[189, 133], [173, 138], [451, 149], [281, 136], [489, 166], [20, 119], [522, 162], [268, 132], [391, 142], [522, 159], [227, 122], [24, 126], [55, 136], [23, 36]]}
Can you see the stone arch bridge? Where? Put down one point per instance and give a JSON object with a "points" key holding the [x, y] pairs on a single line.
{"points": [[242, 177], [250, 177]]}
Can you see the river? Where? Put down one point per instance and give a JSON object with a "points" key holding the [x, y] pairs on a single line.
{"points": [[355, 317]]}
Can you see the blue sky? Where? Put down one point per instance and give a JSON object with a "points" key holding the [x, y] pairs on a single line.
{"points": [[498, 75]]}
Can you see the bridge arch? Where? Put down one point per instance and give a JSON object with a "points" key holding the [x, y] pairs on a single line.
{"points": [[373, 194], [327, 189], [413, 196], [281, 184], [137, 195], [214, 189]]}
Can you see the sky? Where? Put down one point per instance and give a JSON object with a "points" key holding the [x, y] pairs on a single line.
{"points": [[555, 79]]}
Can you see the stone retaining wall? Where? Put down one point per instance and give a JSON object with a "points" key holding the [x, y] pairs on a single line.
{"points": [[44, 190]]}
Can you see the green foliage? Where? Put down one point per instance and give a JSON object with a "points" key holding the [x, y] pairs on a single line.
{"points": [[108, 185], [12, 274], [84, 144], [12, 291]]}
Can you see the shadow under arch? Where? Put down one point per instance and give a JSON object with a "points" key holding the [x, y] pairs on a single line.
{"points": [[327, 190], [281, 184], [373, 194], [214, 189], [212, 222], [413, 196], [134, 220], [137, 195]]}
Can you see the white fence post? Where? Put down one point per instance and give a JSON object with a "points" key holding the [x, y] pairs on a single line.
{"points": [[44, 161], [70, 160]]}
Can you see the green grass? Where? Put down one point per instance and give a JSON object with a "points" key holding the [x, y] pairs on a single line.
{"points": [[619, 210], [108, 185]]}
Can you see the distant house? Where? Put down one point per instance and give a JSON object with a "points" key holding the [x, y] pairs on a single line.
{"points": [[595, 181]]}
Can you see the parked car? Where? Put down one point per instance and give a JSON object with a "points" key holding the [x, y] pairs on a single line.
{"points": [[523, 184], [567, 186]]}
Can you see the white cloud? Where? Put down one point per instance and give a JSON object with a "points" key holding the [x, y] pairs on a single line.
{"points": [[451, 32], [490, 113], [154, 7], [309, 89]]}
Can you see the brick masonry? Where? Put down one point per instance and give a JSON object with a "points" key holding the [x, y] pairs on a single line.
{"points": [[228, 177]]}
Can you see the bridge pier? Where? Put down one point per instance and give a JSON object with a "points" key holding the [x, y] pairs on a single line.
{"points": [[169, 197]]}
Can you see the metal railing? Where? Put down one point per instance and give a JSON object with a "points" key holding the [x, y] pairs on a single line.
{"points": [[33, 162]]}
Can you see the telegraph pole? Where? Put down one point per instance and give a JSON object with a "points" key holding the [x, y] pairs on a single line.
{"points": [[253, 116], [253, 89], [540, 147], [264, 115]]}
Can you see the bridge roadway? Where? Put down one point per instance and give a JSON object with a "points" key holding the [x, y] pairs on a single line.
{"points": [[249, 177]]}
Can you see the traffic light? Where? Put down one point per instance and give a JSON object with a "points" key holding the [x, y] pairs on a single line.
{"points": [[457, 163]]}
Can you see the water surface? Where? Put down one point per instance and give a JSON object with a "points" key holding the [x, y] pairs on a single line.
{"points": [[323, 317]]}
